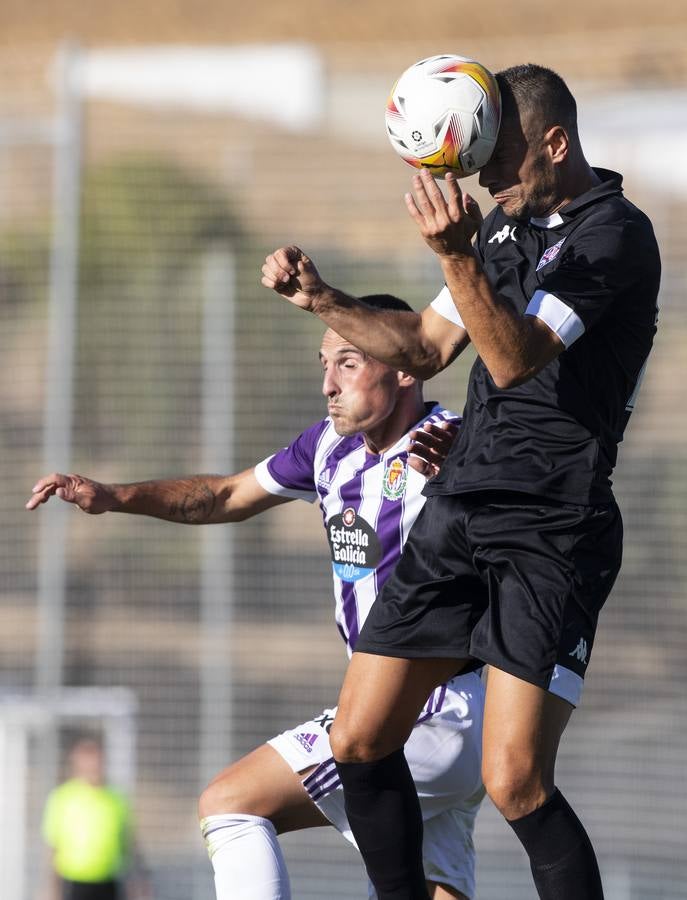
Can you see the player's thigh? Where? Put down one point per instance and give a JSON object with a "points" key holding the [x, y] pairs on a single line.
{"points": [[381, 699], [523, 725], [262, 784]]}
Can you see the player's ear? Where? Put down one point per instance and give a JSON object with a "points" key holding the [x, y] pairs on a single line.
{"points": [[558, 142], [405, 380]]}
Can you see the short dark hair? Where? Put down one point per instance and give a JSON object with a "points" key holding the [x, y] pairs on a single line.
{"points": [[539, 93], [385, 301], [87, 738]]}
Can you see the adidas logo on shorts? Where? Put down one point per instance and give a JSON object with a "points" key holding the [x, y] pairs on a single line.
{"points": [[307, 740]]}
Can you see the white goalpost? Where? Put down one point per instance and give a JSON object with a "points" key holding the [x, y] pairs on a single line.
{"points": [[29, 722]]}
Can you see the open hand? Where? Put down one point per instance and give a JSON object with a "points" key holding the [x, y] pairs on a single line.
{"points": [[447, 224], [90, 496]]}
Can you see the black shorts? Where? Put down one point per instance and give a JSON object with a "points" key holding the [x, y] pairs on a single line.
{"points": [[87, 890], [514, 581]]}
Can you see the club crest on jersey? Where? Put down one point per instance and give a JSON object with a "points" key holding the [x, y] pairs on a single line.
{"points": [[550, 254], [395, 477]]}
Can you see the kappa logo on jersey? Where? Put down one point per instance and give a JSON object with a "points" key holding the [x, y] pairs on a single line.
{"points": [[355, 547], [580, 652], [508, 231], [550, 254], [306, 740], [395, 478]]}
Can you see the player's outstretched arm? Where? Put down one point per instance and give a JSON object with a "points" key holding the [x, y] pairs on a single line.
{"points": [[420, 344], [195, 500]]}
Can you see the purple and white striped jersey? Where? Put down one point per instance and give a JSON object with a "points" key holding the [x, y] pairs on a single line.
{"points": [[368, 502]]}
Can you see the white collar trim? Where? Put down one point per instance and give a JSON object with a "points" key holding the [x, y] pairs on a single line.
{"points": [[547, 221]]}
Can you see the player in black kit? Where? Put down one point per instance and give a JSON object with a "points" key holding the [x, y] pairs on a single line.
{"points": [[520, 541]]}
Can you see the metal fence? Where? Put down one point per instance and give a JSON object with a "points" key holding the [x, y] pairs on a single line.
{"points": [[140, 194]]}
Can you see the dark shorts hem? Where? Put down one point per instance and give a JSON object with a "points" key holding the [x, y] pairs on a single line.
{"points": [[517, 672], [444, 653], [410, 652]]}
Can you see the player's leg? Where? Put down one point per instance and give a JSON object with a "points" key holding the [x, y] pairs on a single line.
{"points": [[425, 610], [444, 754], [380, 701], [242, 811], [523, 725], [550, 568], [262, 784]]}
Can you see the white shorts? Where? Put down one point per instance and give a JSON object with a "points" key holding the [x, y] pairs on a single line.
{"points": [[444, 753]]}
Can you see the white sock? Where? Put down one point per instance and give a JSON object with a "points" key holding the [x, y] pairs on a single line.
{"points": [[246, 858]]}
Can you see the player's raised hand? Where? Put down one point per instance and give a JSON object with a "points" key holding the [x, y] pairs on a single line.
{"points": [[90, 496], [429, 447], [449, 223], [291, 273]]}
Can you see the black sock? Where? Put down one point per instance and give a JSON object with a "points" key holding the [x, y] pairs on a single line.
{"points": [[561, 855], [384, 814]]}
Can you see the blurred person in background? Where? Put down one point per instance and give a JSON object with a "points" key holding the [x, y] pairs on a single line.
{"points": [[358, 463], [89, 827]]}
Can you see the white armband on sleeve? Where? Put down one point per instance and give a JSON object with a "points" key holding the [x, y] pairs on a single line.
{"points": [[560, 318], [444, 305], [272, 486]]}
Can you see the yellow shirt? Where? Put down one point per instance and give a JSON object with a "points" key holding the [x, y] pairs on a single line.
{"points": [[88, 827]]}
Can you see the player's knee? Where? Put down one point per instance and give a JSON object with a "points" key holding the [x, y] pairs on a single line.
{"points": [[349, 744], [346, 744], [515, 785], [224, 795]]}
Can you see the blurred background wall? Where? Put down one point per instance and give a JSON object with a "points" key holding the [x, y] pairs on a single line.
{"points": [[150, 159]]}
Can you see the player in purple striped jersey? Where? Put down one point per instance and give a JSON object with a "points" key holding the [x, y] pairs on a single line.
{"points": [[356, 464]]}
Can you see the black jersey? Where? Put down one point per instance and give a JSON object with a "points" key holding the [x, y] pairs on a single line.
{"points": [[593, 268]]}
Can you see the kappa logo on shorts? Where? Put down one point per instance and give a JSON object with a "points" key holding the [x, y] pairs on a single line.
{"points": [[550, 254], [580, 652], [395, 477], [307, 740]]}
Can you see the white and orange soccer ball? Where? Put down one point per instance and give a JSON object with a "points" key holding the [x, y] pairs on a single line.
{"points": [[443, 114]]}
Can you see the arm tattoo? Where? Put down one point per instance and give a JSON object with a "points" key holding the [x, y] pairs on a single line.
{"points": [[196, 507]]}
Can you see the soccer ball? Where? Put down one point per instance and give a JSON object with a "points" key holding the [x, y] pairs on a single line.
{"points": [[443, 114]]}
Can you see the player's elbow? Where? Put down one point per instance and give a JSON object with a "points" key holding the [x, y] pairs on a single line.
{"points": [[425, 370], [507, 377], [425, 361]]}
